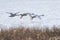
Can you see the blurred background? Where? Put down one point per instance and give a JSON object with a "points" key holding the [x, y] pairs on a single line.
{"points": [[50, 8]]}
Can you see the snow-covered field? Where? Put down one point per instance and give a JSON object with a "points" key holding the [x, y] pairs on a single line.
{"points": [[50, 8]]}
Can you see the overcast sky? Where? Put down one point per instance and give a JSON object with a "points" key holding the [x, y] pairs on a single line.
{"points": [[50, 8]]}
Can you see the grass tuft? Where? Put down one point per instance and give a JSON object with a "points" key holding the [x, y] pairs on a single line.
{"points": [[30, 34]]}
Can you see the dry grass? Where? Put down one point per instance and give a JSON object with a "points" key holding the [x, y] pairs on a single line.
{"points": [[26, 34]]}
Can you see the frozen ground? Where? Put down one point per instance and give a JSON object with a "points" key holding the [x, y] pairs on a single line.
{"points": [[50, 8]]}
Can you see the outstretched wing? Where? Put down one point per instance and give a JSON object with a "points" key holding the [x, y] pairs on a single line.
{"points": [[11, 14], [17, 13], [31, 13], [39, 16]]}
